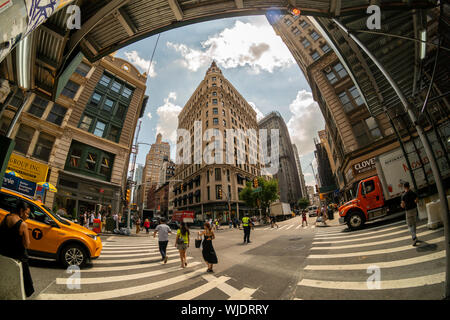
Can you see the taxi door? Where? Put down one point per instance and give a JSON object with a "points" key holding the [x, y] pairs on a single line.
{"points": [[43, 236]]}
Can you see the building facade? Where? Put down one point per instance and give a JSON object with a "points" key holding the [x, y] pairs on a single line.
{"points": [[324, 170], [85, 136], [300, 172], [159, 151], [287, 174], [353, 134], [208, 188]]}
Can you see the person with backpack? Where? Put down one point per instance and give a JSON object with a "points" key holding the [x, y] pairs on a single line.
{"points": [[182, 243], [409, 203]]}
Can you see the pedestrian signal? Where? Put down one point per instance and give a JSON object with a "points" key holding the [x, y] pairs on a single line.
{"points": [[128, 195], [220, 193], [255, 183]]}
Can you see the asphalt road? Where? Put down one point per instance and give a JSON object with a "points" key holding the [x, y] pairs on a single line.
{"points": [[290, 262]]}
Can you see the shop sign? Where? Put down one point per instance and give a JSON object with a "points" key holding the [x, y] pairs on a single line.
{"points": [[364, 166], [22, 186], [29, 170]]}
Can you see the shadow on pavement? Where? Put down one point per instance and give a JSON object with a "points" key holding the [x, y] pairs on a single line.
{"points": [[424, 247]]}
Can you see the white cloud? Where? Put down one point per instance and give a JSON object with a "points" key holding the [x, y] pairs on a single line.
{"points": [[168, 118], [306, 121], [141, 63], [245, 44], [259, 114], [149, 115]]}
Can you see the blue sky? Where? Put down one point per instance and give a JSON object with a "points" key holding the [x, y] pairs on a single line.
{"points": [[251, 57]]}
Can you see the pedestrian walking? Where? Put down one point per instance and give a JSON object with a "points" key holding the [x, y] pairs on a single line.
{"points": [[147, 225], [15, 240], [409, 203], [86, 220], [304, 218], [182, 242], [163, 231], [217, 224], [103, 223], [208, 252], [138, 225], [235, 223], [91, 220], [247, 224], [273, 222], [230, 223]]}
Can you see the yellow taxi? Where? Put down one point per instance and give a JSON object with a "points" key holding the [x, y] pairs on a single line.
{"points": [[51, 236]]}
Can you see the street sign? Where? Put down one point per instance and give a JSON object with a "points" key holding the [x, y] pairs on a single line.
{"points": [[259, 189]]}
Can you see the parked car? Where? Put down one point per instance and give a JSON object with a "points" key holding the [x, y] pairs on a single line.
{"points": [[312, 211], [174, 225]]}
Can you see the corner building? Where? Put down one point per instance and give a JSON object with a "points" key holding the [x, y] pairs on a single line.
{"points": [[209, 189]]}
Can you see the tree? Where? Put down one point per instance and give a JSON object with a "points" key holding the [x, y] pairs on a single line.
{"points": [[267, 194], [303, 203]]}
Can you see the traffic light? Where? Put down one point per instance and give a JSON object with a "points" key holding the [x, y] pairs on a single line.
{"points": [[220, 193], [128, 195], [317, 188], [255, 183], [294, 11]]}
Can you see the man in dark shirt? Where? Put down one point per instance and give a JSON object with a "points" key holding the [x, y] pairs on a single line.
{"points": [[409, 203]]}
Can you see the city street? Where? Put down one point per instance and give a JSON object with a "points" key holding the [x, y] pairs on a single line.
{"points": [[285, 263]]}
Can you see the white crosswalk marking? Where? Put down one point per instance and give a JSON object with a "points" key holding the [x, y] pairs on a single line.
{"points": [[351, 258], [281, 228], [290, 227], [141, 272], [298, 227], [387, 284], [369, 244]]}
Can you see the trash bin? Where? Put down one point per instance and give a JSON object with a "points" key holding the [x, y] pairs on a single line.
{"points": [[330, 214], [97, 226]]}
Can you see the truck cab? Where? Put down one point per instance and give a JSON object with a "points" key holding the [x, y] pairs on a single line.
{"points": [[368, 205]]}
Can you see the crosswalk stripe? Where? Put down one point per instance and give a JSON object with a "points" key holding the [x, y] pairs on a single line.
{"points": [[280, 228], [130, 248], [130, 245], [367, 238], [298, 227], [370, 252], [132, 267], [243, 294], [103, 279], [144, 253], [194, 293], [151, 257], [390, 264], [375, 243], [116, 293], [384, 285], [290, 227], [312, 227], [358, 233]]}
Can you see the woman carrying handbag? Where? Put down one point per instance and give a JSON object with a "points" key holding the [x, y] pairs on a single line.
{"points": [[208, 250]]}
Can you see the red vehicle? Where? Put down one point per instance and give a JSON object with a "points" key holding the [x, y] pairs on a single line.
{"points": [[183, 216], [369, 204]]}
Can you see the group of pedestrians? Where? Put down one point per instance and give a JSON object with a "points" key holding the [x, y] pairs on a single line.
{"points": [[182, 242]]}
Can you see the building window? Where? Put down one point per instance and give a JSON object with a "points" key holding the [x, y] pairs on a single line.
{"points": [[314, 35], [105, 80], [224, 123], [99, 129], [57, 114], [296, 31], [116, 86], [108, 105], [350, 99], [23, 138], [374, 131], [304, 24], [105, 168], [287, 21], [214, 94], [306, 43], [75, 156], [91, 161], [336, 73], [114, 134], [360, 134], [215, 111], [215, 121], [325, 48], [223, 112], [214, 101], [18, 99], [218, 188], [121, 112], [83, 69], [38, 106], [96, 98], [43, 147], [218, 174], [315, 55], [127, 92], [208, 189], [207, 123], [86, 122], [70, 90]]}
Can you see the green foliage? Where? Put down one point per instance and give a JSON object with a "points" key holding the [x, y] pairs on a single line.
{"points": [[267, 195], [303, 203]]}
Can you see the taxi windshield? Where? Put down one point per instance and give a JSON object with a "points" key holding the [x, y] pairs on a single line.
{"points": [[57, 216]]}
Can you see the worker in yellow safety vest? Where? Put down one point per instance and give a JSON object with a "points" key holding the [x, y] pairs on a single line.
{"points": [[247, 224]]}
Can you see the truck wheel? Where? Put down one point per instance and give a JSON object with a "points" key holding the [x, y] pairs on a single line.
{"points": [[355, 221], [74, 255]]}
